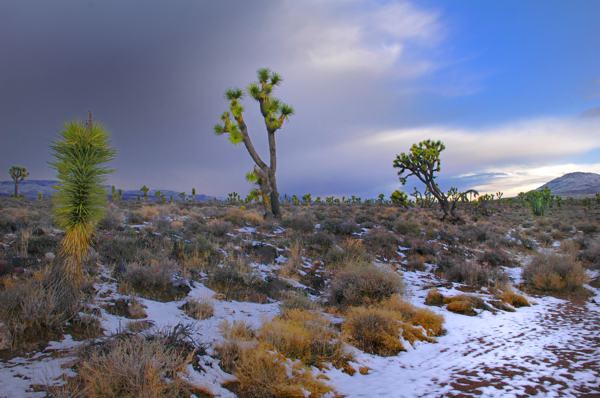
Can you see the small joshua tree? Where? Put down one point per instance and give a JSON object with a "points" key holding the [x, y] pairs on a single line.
{"points": [[145, 191], [18, 174], [399, 198], [80, 200], [423, 161], [274, 112], [307, 199], [194, 194]]}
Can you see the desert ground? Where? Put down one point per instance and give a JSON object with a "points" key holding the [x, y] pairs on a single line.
{"points": [[344, 299]]}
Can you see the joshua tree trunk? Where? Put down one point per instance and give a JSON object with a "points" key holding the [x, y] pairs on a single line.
{"points": [[273, 160], [16, 189]]}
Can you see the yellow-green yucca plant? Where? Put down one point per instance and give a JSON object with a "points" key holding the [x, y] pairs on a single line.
{"points": [[80, 200]]}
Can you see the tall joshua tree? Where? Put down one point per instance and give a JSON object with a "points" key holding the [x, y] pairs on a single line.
{"points": [[80, 200], [274, 112], [18, 174]]}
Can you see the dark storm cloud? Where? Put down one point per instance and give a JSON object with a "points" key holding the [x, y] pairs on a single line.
{"points": [[154, 73]]}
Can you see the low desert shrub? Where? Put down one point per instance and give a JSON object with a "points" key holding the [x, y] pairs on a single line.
{"points": [[134, 366], [475, 274], [554, 273], [361, 283], [495, 258], [261, 373], [434, 297], [373, 330], [199, 309], [155, 281], [348, 251], [339, 226], [218, 227], [237, 281], [591, 253], [300, 222], [431, 322], [304, 335], [293, 300], [382, 242], [37, 309], [237, 330]]}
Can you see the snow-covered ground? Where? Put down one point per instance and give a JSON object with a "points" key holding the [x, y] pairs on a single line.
{"points": [[551, 349]]}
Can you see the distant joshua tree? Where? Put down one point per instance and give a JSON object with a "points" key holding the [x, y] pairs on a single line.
{"points": [[145, 191], [399, 198], [80, 201], [18, 174], [194, 194], [274, 112], [423, 161], [307, 199]]}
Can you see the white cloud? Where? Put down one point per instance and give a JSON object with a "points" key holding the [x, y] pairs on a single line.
{"points": [[362, 36], [523, 154], [536, 140]]}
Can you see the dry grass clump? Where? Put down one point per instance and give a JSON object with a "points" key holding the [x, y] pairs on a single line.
{"points": [[154, 281], [514, 299], [240, 217], [147, 212], [464, 304], [294, 261], [135, 366], [199, 309], [237, 330], [350, 250], [408, 313], [361, 283], [377, 330], [373, 330], [554, 273], [304, 335], [38, 308], [261, 373], [434, 297]]}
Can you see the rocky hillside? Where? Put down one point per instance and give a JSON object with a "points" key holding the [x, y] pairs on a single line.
{"points": [[575, 184]]}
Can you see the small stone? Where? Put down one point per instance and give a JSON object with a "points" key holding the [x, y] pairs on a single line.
{"points": [[49, 256]]}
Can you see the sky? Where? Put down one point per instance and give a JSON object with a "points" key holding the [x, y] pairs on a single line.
{"points": [[511, 87]]}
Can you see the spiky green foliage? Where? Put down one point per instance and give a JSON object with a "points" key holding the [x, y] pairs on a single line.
{"points": [[399, 198], [145, 191], [80, 200], [539, 201], [423, 162], [18, 174]]}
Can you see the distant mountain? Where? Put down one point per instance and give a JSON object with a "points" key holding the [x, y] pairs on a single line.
{"points": [[30, 189], [574, 184]]}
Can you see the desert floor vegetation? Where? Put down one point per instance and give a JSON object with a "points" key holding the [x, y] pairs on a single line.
{"points": [[278, 308]]}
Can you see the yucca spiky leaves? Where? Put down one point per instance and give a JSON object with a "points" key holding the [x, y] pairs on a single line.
{"points": [[80, 200]]}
